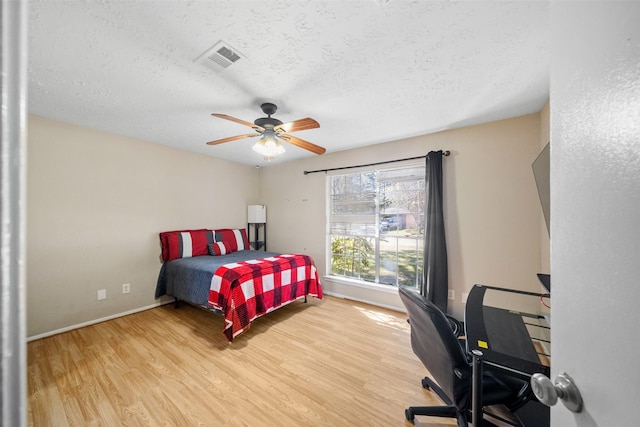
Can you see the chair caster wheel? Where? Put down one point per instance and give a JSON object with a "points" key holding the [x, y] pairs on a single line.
{"points": [[408, 413], [425, 384]]}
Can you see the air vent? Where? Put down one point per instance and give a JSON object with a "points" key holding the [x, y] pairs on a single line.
{"points": [[220, 56]]}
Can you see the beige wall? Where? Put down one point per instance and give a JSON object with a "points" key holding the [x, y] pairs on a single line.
{"points": [[493, 215], [96, 203]]}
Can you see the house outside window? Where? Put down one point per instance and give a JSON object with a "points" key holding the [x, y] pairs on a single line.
{"points": [[376, 225]]}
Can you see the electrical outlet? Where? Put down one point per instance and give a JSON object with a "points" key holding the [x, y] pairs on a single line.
{"points": [[102, 294], [126, 288], [465, 295], [452, 294]]}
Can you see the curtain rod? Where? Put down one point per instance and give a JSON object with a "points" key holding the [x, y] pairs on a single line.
{"points": [[444, 153]]}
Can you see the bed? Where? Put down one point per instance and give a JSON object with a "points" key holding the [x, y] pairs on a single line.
{"points": [[239, 283]]}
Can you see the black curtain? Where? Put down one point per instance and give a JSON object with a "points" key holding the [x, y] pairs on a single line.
{"points": [[435, 283]]}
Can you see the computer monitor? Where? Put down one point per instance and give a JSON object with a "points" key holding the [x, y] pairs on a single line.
{"points": [[545, 279], [541, 173]]}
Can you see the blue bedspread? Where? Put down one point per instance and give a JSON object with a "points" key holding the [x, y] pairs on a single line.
{"points": [[189, 279]]}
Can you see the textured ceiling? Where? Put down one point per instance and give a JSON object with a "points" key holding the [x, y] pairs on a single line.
{"points": [[367, 71]]}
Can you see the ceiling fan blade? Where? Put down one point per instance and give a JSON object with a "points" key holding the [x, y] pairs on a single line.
{"points": [[231, 138], [296, 125], [303, 144], [233, 119]]}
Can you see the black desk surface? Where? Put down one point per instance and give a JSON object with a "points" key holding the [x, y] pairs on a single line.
{"points": [[506, 335]]}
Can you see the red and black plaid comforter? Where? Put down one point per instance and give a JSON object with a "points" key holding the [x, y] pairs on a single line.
{"points": [[246, 290]]}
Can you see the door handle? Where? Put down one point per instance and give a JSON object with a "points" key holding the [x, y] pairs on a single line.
{"points": [[564, 388]]}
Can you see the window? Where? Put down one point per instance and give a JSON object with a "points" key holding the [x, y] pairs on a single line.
{"points": [[376, 225]]}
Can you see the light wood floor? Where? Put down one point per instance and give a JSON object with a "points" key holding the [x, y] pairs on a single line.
{"points": [[332, 362]]}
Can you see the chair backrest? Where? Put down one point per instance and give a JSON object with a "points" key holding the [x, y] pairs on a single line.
{"points": [[435, 344]]}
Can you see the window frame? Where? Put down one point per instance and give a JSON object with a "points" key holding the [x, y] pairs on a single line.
{"points": [[379, 212]]}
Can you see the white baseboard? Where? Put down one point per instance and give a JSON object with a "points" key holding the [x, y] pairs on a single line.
{"points": [[93, 322], [338, 295], [158, 304]]}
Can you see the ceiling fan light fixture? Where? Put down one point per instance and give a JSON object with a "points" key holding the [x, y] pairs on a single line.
{"points": [[268, 146], [271, 130]]}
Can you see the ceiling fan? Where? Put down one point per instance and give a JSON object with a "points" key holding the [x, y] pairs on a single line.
{"points": [[270, 130]]}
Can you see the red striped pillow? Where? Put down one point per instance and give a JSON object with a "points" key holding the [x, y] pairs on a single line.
{"points": [[164, 243], [219, 248], [189, 243], [236, 238]]}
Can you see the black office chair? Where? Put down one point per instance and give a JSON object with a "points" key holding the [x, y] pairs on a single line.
{"points": [[435, 344]]}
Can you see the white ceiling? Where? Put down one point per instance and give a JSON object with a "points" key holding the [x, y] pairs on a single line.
{"points": [[368, 71]]}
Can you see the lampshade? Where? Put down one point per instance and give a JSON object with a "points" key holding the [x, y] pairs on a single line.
{"points": [[268, 145], [257, 214]]}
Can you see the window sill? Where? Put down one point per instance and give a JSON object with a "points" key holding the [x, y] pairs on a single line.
{"points": [[390, 289]]}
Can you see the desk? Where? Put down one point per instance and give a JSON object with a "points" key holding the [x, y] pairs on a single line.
{"points": [[509, 330]]}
